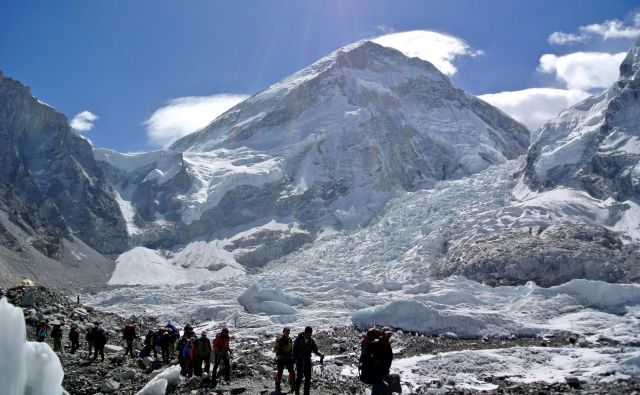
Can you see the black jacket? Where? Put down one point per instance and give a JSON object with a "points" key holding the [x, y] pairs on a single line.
{"points": [[302, 348]]}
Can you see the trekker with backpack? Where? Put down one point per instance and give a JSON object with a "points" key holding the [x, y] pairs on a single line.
{"points": [[99, 341], [56, 335], [175, 335], [182, 343], [89, 338], [74, 338], [375, 361], [302, 349], [202, 354], [188, 352], [222, 353], [165, 339], [129, 335], [150, 344], [283, 348]]}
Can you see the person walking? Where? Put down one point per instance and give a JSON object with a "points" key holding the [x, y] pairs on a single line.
{"points": [[283, 348], [56, 335], [375, 361], [43, 331], [129, 335], [175, 335], [89, 338], [202, 354], [99, 341], [303, 347], [222, 353], [165, 342], [74, 338], [150, 343]]}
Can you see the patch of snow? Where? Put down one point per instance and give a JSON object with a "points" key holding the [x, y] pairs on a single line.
{"points": [[142, 265], [128, 213]]}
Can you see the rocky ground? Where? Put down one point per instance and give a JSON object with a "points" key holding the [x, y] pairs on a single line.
{"points": [[252, 371]]}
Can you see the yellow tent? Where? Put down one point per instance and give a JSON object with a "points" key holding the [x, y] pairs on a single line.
{"points": [[25, 282]]}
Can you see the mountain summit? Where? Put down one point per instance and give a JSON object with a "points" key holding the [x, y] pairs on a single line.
{"points": [[324, 148], [594, 145]]}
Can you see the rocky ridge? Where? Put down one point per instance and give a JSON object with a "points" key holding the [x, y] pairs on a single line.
{"points": [[54, 201]]}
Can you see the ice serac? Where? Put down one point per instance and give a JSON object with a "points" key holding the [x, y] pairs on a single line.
{"points": [[54, 200]]}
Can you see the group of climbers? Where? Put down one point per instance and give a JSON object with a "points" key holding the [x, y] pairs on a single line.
{"points": [[194, 351], [294, 355]]}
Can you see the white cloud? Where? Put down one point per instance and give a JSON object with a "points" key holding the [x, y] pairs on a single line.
{"points": [[561, 38], [583, 70], [83, 121], [437, 48], [607, 30], [533, 107], [185, 115]]}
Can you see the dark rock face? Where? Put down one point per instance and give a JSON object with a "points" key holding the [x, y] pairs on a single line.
{"points": [[550, 256], [50, 184]]}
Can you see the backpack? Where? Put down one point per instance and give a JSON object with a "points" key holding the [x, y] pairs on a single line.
{"points": [[371, 360], [128, 331], [42, 333], [186, 350], [100, 337], [56, 332]]}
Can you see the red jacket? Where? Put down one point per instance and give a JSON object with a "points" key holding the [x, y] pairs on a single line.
{"points": [[221, 344]]}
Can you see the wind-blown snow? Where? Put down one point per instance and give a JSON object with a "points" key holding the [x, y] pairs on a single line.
{"points": [[25, 367]]}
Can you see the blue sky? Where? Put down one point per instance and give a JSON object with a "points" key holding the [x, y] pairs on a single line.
{"points": [[126, 60]]}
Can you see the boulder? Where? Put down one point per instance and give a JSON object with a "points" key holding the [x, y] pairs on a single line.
{"points": [[147, 361], [126, 375], [109, 385], [112, 349]]}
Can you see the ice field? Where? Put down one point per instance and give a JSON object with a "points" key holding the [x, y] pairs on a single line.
{"points": [[379, 275]]}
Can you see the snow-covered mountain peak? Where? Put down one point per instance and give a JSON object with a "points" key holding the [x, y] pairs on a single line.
{"points": [[360, 55], [326, 147], [631, 64]]}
